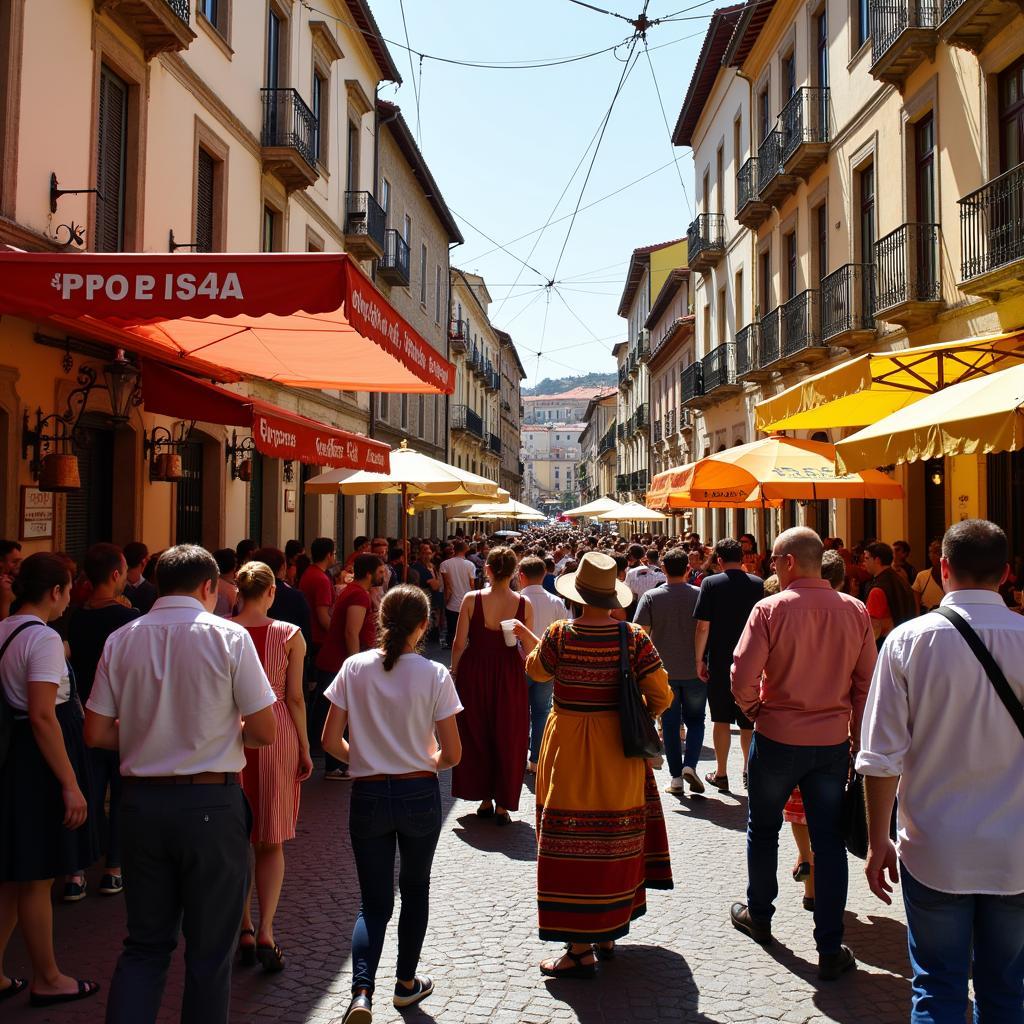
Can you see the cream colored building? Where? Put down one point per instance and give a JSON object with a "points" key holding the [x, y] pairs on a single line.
{"points": [[510, 416], [551, 453], [564, 407], [223, 126], [596, 470], [866, 161]]}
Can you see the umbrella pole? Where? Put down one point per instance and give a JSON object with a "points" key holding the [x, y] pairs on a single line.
{"points": [[405, 535], [762, 531]]}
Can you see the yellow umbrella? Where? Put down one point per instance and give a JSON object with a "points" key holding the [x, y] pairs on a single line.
{"points": [[631, 512], [783, 468], [974, 418], [864, 389], [593, 508]]}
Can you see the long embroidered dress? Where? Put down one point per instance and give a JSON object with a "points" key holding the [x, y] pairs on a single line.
{"points": [[601, 838], [270, 776]]}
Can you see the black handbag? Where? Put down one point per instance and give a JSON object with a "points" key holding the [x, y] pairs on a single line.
{"points": [[639, 736], [855, 818]]}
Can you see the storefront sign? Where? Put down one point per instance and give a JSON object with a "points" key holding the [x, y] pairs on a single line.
{"points": [[36, 514], [293, 439]]}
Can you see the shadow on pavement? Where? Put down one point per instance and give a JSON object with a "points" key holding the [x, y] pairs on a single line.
{"points": [[516, 841], [728, 812], [879, 941], [623, 987]]}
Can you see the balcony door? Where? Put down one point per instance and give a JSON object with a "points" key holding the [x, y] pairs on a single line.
{"points": [[867, 214], [274, 33], [821, 62], [1011, 116], [924, 171]]}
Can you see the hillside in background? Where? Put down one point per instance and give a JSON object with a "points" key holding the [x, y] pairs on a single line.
{"points": [[556, 385]]}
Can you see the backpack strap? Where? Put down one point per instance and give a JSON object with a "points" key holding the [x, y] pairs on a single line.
{"points": [[7, 643], [988, 663]]}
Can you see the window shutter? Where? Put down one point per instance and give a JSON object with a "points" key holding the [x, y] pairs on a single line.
{"points": [[204, 201], [110, 164]]}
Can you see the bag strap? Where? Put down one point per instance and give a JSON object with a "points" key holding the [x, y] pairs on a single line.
{"points": [[988, 663], [624, 666], [7, 643]]}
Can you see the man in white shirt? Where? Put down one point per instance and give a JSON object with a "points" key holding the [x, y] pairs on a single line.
{"points": [[937, 732], [179, 692], [458, 574], [546, 609], [645, 575]]}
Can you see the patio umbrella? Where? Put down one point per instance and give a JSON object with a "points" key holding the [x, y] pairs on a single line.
{"points": [[631, 512], [670, 491], [593, 508], [974, 418], [510, 509]]}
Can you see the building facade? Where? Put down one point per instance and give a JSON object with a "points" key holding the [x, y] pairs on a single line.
{"points": [[511, 414], [565, 407], [551, 453], [596, 472]]}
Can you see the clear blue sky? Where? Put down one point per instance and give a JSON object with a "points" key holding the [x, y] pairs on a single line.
{"points": [[503, 143]]}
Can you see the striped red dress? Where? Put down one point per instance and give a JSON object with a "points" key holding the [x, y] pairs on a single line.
{"points": [[270, 776]]}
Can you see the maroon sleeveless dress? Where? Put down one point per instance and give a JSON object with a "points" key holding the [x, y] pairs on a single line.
{"points": [[495, 725]]}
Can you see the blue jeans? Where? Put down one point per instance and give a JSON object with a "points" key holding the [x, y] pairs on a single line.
{"points": [[383, 814], [775, 770], [540, 708], [689, 701], [942, 929]]}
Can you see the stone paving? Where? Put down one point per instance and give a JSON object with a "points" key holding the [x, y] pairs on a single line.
{"points": [[683, 963]]}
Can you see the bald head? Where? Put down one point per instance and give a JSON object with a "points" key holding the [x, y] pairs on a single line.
{"points": [[801, 549]]}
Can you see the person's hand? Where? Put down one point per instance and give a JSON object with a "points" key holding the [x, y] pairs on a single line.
{"points": [[436, 758], [702, 672], [882, 861], [305, 765], [76, 810], [521, 631]]}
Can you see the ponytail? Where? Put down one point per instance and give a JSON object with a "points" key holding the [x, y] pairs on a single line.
{"points": [[403, 609]]}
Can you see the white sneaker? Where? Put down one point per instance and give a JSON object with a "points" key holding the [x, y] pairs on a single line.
{"points": [[691, 776], [676, 785]]}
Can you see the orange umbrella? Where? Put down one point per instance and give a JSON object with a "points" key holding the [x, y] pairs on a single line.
{"points": [[670, 491]]}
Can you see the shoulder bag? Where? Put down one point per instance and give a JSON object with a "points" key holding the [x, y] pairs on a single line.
{"points": [[7, 713], [639, 736]]}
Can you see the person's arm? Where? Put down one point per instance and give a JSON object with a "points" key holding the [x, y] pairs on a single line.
{"points": [[863, 670], [42, 717], [295, 701], [100, 730], [748, 663], [446, 582], [449, 749], [462, 630], [323, 616], [528, 616], [700, 643], [434, 583], [355, 616], [652, 677], [882, 859], [526, 636], [333, 739], [642, 615], [259, 729]]}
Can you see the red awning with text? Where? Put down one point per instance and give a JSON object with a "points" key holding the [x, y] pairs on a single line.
{"points": [[276, 432]]}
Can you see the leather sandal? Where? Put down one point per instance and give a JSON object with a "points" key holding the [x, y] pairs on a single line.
{"points": [[85, 989], [16, 985], [271, 958], [578, 970], [604, 952], [720, 782], [247, 953]]}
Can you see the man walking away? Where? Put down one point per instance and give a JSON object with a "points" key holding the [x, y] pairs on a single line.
{"points": [[666, 614], [801, 674], [318, 590], [961, 817], [546, 609], [179, 692], [458, 574], [138, 589], [723, 607], [888, 596]]}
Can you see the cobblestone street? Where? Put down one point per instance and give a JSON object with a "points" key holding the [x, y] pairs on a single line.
{"points": [[682, 963]]}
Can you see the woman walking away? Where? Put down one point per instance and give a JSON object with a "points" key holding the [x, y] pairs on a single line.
{"points": [[272, 775], [495, 726], [393, 701], [601, 839], [43, 812]]}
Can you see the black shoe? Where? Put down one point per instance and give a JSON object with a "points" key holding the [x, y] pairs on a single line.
{"points": [[111, 885], [423, 985], [360, 1011], [759, 931], [831, 965], [74, 891], [802, 871], [809, 903]]}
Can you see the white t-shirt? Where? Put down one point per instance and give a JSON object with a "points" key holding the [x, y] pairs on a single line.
{"points": [[642, 578], [35, 656], [391, 715], [461, 573], [180, 680]]}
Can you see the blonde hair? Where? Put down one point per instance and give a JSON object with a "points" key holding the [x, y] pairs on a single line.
{"points": [[254, 579]]}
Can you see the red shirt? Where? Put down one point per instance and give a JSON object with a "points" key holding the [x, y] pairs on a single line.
{"points": [[319, 593], [334, 650]]}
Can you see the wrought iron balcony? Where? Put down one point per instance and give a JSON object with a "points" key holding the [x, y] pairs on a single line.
{"points": [[909, 282], [607, 442], [638, 480], [705, 241], [468, 421], [633, 363], [805, 130], [773, 183], [288, 139], [393, 266], [801, 327], [656, 434], [458, 335], [691, 383], [750, 211], [973, 24], [364, 226], [623, 375], [720, 370], [160, 26], [620, 430], [848, 305], [641, 418], [770, 349], [621, 483], [992, 236], [670, 424], [685, 420], [494, 444], [902, 37], [748, 354]]}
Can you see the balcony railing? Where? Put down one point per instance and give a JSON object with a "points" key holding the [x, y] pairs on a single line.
{"points": [[620, 431], [746, 184], [902, 36], [992, 225], [622, 482], [705, 240], [720, 367], [288, 123], [607, 442], [182, 8], [494, 444], [464, 418], [458, 332], [623, 374], [747, 345], [364, 219], [908, 266], [801, 324], [804, 122], [848, 300], [641, 418], [769, 160], [638, 480], [393, 266], [771, 338], [656, 434], [670, 423], [691, 381]]}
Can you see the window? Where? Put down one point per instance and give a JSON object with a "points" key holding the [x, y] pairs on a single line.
{"points": [[384, 405], [405, 412], [707, 327], [352, 165], [720, 180], [766, 281], [866, 181], [423, 275], [111, 164], [764, 115], [206, 167], [863, 23], [1011, 116], [407, 230], [821, 239], [721, 316], [318, 95], [737, 141], [275, 47], [216, 12], [738, 294], [789, 247], [385, 200], [270, 240], [707, 195], [788, 78], [437, 294]]}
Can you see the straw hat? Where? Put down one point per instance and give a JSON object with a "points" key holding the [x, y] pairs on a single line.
{"points": [[595, 583]]}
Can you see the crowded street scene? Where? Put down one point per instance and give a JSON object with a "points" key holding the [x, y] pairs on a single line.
{"points": [[508, 539]]}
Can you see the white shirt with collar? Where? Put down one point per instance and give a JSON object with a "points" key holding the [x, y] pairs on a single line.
{"points": [[546, 607], [180, 680], [934, 719], [642, 578]]}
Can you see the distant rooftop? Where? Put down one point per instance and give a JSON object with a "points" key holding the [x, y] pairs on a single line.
{"points": [[580, 393]]}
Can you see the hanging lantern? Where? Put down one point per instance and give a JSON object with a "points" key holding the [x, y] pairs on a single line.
{"points": [[122, 380], [245, 470], [59, 472]]}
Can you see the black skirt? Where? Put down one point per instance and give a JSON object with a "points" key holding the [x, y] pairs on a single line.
{"points": [[34, 844]]}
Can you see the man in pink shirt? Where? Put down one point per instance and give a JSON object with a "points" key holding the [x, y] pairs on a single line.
{"points": [[801, 674]]}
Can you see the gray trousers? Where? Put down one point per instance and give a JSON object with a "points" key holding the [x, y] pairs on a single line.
{"points": [[185, 855]]}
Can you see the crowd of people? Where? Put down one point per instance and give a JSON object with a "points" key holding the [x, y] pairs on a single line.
{"points": [[162, 712]]}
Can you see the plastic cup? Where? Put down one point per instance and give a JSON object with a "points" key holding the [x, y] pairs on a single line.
{"points": [[508, 627]]}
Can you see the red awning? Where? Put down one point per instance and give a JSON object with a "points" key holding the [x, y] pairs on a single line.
{"points": [[303, 319], [275, 431]]}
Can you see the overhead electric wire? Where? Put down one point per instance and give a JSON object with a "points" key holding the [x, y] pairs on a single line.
{"points": [[493, 241], [412, 70], [601, 10], [668, 130]]}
